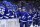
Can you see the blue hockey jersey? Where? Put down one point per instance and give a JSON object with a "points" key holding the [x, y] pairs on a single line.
{"points": [[38, 16], [30, 19], [34, 15], [38, 19], [3, 11], [12, 13], [24, 16]]}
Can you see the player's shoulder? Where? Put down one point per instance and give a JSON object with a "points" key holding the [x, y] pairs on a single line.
{"points": [[26, 12], [2, 7]]}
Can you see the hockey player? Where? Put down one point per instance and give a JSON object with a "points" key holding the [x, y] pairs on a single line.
{"points": [[10, 11], [15, 6], [39, 18], [24, 17], [3, 11], [34, 17], [30, 19], [14, 13], [18, 12]]}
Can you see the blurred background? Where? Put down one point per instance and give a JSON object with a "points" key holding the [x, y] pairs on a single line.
{"points": [[27, 3]]}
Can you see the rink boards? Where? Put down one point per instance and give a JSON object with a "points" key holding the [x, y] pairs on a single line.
{"points": [[9, 23]]}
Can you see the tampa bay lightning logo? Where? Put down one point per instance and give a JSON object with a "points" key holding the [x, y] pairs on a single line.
{"points": [[23, 17], [2, 9]]}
